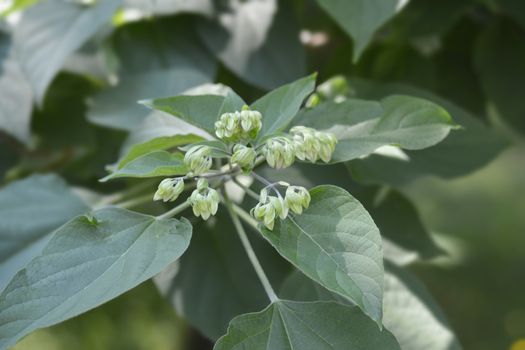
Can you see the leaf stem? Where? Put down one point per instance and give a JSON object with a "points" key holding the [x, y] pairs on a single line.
{"points": [[249, 250], [179, 208], [247, 218]]}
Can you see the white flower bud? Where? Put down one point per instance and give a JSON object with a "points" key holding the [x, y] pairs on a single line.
{"points": [[169, 190], [198, 159], [279, 152], [243, 125], [243, 156], [268, 208], [311, 144], [204, 200], [297, 198], [250, 123]]}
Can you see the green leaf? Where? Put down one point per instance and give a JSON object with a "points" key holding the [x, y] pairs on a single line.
{"points": [[156, 144], [40, 42], [215, 281], [88, 261], [500, 62], [404, 236], [201, 110], [278, 107], [16, 96], [159, 124], [153, 164], [462, 152], [231, 103], [258, 41], [360, 18], [306, 326], [47, 200], [158, 58], [336, 243], [363, 126], [411, 313]]}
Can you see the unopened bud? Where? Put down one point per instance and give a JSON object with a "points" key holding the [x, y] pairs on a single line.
{"points": [[169, 190], [243, 156], [268, 208], [204, 200], [297, 198], [311, 144], [243, 125], [198, 159], [279, 152], [251, 123]]}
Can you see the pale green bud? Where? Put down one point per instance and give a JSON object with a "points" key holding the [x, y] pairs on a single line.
{"points": [[297, 198], [279, 152], [311, 144], [204, 200], [169, 190], [268, 208], [243, 156], [198, 159], [202, 184], [335, 88], [251, 123], [243, 125], [313, 100], [280, 206]]}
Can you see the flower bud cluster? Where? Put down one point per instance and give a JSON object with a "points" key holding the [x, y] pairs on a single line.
{"points": [[169, 190], [271, 207], [198, 159], [204, 200], [310, 144], [243, 125], [243, 156], [297, 198], [279, 152]]}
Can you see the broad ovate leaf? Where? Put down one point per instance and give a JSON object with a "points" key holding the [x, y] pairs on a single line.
{"points": [[336, 243], [48, 202], [40, 37], [88, 261], [152, 164], [320, 325], [362, 127], [411, 313], [360, 18], [463, 151], [279, 106], [201, 110], [157, 144]]}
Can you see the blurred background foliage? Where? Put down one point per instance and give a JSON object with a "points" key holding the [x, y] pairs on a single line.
{"points": [[471, 53]]}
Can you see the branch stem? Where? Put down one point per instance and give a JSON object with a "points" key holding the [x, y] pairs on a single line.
{"points": [[249, 251], [178, 209]]}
